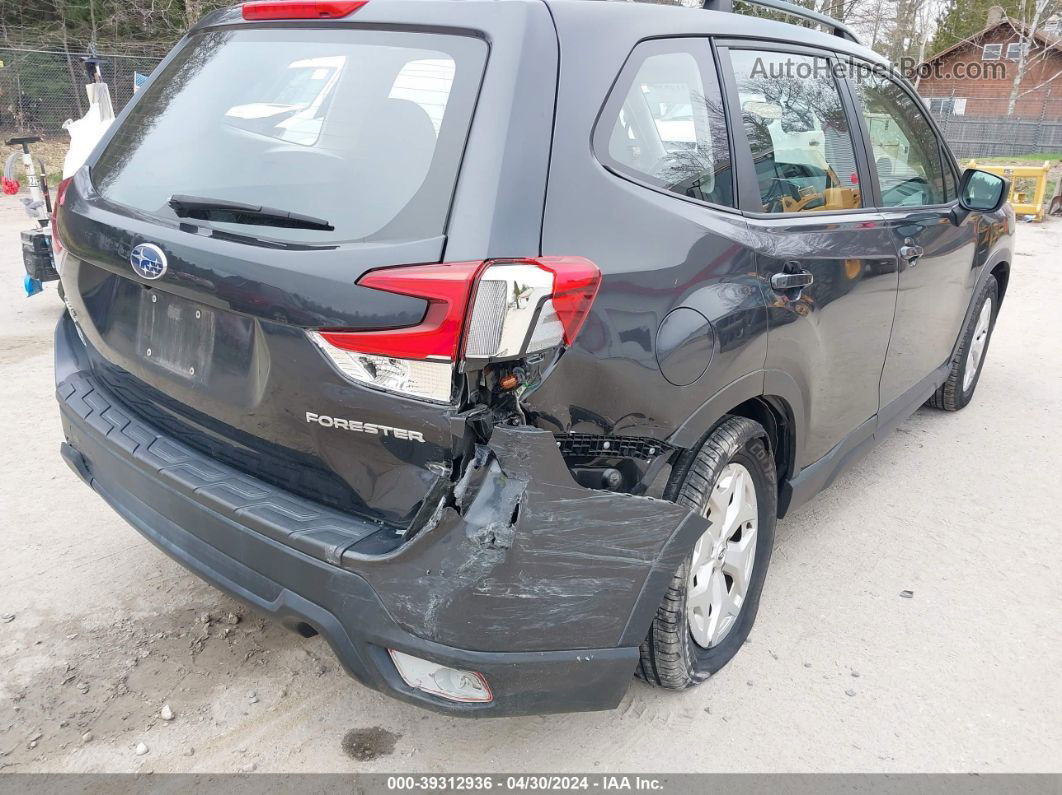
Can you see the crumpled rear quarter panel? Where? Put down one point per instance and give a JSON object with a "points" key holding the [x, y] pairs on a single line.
{"points": [[567, 574]]}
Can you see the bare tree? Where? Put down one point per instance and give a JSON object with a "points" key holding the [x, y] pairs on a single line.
{"points": [[895, 28], [875, 18], [1027, 37], [925, 18]]}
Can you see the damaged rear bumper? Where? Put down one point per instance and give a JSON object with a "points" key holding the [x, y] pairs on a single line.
{"points": [[544, 587]]}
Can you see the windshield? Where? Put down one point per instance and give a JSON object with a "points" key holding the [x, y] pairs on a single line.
{"points": [[363, 128]]}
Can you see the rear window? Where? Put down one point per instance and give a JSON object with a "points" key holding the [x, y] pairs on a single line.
{"points": [[364, 129]]}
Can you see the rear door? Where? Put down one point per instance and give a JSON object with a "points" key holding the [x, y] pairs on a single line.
{"points": [[915, 183], [821, 245], [680, 313], [361, 126]]}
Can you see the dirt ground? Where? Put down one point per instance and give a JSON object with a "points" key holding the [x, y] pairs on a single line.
{"points": [[102, 638]]}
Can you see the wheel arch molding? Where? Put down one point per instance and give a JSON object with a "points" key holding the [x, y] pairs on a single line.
{"points": [[771, 397]]}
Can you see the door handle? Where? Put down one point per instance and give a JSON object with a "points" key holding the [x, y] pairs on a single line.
{"points": [[795, 280], [910, 251]]}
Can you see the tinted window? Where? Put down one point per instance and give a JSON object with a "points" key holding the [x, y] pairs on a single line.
{"points": [[797, 129], [668, 127], [362, 128], [905, 148]]}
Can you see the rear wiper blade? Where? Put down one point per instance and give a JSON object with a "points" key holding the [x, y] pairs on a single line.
{"points": [[240, 213]]}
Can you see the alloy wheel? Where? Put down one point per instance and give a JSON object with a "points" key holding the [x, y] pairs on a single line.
{"points": [[977, 345], [723, 557]]}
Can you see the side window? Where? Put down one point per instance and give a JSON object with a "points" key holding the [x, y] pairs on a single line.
{"points": [[797, 129], [1014, 50], [906, 151], [664, 124]]}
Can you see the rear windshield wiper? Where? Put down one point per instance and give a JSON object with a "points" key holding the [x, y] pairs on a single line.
{"points": [[240, 213]]}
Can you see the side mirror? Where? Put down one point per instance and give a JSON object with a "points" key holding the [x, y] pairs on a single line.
{"points": [[982, 191]]}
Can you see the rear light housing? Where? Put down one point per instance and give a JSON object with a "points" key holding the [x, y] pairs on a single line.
{"points": [[526, 306], [478, 313], [424, 379], [453, 684], [300, 9], [446, 288], [60, 199]]}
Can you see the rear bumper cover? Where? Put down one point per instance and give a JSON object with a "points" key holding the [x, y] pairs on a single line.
{"points": [[542, 586]]}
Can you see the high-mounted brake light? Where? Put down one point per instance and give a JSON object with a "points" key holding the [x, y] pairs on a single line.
{"points": [[60, 199], [499, 309], [300, 9]]}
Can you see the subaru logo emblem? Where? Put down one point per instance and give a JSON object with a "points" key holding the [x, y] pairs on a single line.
{"points": [[148, 260]]}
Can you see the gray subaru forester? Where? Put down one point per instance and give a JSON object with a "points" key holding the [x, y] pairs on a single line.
{"points": [[490, 338]]}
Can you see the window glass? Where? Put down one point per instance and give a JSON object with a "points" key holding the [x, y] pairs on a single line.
{"points": [[364, 129], [947, 105], [1014, 50], [670, 130], [798, 132], [906, 152], [991, 52]]}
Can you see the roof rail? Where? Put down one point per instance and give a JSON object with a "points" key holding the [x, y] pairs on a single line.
{"points": [[835, 26]]}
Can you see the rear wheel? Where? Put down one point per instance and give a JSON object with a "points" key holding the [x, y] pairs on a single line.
{"points": [[957, 391], [711, 604]]}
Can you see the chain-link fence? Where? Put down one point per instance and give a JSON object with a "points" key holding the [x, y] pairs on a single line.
{"points": [[40, 88], [979, 125]]}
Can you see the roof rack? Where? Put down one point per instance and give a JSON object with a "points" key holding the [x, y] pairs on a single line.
{"points": [[835, 26]]}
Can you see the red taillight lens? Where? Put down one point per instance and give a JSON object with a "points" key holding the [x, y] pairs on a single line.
{"points": [[301, 9], [60, 198], [500, 309], [575, 284], [446, 288]]}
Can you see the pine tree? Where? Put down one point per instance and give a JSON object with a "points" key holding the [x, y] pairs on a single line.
{"points": [[963, 18]]}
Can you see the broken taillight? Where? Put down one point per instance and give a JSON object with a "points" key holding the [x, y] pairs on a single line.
{"points": [[481, 312]]}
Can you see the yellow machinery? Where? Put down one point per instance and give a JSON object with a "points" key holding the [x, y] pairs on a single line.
{"points": [[1028, 184]]}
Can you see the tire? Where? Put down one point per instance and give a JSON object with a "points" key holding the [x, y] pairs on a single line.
{"points": [[957, 391], [671, 657]]}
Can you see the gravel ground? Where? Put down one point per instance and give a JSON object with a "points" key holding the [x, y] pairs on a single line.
{"points": [[114, 658]]}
